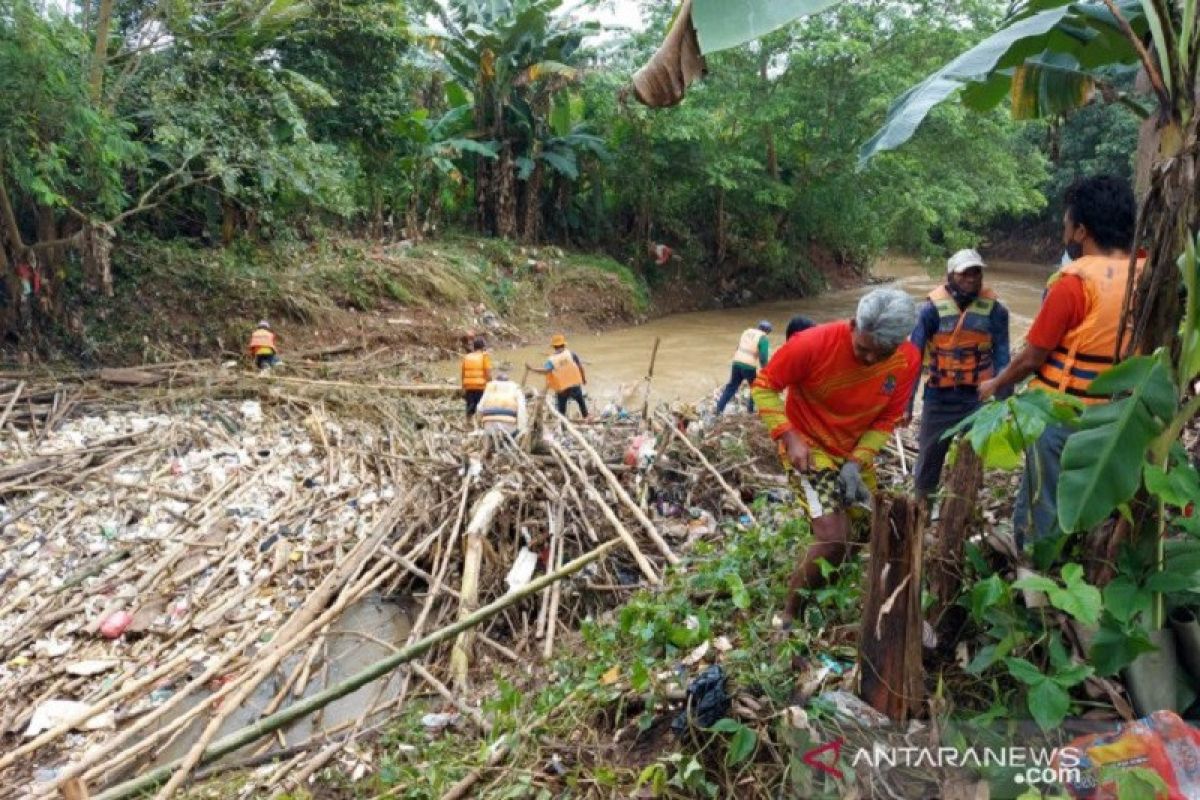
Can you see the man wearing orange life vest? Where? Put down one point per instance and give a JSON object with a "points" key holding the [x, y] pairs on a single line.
{"points": [[564, 376], [502, 407], [847, 385], [262, 347], [1074, 336], [962, 330], [476, 372]]}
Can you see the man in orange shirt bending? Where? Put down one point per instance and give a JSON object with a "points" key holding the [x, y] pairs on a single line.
{"points": [[847, 383], [1074, 336]]}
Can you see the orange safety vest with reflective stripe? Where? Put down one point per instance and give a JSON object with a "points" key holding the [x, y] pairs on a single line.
{"points": [[262, 342], [747, 349], [1087, 351], [474, 371], [960, 353], [564, 372], [501, 402]]}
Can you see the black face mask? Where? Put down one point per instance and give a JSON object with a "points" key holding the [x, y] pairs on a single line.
{"points": [[1074, 250]]}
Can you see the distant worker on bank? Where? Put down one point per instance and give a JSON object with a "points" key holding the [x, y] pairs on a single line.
{"points": [[1073, 339], [848, 384], [565, 376], [797, 324], [502, 407], [476, 372], [263, 347], [962, 332], [753, 351]]}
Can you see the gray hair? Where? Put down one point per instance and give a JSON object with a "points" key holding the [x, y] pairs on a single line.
{"points": [[888, 315]]}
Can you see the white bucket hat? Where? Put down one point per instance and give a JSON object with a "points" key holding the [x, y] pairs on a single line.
{"points": [[963, 260]]}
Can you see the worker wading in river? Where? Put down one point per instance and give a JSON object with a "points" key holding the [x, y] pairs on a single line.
{"points": [[263, 348], [476, 372], [502, 407], [962, 332], [1073, 339], [564, 376], [848, 384], [753, 351]]}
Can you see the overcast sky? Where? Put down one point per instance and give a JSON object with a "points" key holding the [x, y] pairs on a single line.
{"points": [[616, 12]]}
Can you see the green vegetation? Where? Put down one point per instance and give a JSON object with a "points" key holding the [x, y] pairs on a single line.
{"points": [[238, 126]]}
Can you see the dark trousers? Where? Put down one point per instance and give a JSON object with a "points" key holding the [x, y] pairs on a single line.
{"points": [[738, 375], [1035, 515], [266, 360], [574, 393], [938, 415], [472, 396]]}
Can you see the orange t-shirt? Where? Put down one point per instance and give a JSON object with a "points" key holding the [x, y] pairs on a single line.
{"points": [[836, 403], [1063, 309]]}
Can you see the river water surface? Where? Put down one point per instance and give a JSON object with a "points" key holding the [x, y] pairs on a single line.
{"points": [[695, 349]]}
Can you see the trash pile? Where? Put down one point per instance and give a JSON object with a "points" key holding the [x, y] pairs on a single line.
{"points": [[173, 568]]}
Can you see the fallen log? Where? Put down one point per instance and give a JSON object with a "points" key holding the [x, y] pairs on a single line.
{"points": [[468, 593], [250, 733]]}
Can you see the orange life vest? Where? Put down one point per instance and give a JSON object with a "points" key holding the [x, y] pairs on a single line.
{"points": [[262, 342], [564, 372], [1088, 351], [960, 353], [747, 349], [474, 371], [501, 402]]}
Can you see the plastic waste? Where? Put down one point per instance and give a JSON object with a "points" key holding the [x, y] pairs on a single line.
{"points": [[521, 572], [115, 624], [52, 713], [852, 708], [436, 723], [707, 701], [1161, 742]]}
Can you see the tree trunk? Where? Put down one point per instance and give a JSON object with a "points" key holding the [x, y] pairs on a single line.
{"points": [[955, 524], [100, 54], [506, 195], [228, 221], [533, 205], [484, 218], [889, 650]]}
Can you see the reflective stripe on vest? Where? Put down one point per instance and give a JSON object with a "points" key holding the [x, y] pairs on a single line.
{"points": [[960, 352], [262, 342], [1087, 351], [474, 371], [747, 349], [501, 402], [564, 372]]}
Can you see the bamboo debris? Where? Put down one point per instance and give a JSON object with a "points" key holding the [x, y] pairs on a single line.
{"points": [[239, 532]]}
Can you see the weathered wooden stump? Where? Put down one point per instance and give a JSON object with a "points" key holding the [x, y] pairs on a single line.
{"points": [[944, 566], [889, 651]]}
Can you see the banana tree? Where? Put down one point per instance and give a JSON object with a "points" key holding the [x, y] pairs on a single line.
{"points": [[502, 51]]}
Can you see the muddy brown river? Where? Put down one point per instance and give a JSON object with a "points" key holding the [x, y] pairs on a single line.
{"points": [[695, 349]]}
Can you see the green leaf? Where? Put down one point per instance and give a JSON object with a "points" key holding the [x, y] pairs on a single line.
{"points": [[726, 725], [740, 596], [1048, 703], [1114, 648], [1136, 783], [1096, 476], [912, 107], [1178, 487], [1079, 598], [741, 746], [1036, 583], [721, 24], [1124, 599], [1024, 671], [1069, 676], [985, 594]]}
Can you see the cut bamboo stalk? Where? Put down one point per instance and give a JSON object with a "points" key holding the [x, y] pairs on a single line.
{"points": [[481, 522], [556, 589], [267, 725], [599, 501], [617, 488]]}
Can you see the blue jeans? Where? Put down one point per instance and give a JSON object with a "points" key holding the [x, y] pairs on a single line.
{"points": [[738, 375], [1035, 515]]}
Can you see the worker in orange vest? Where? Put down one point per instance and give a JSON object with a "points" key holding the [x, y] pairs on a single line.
{"points": [[263, 348], [476, 372], [564, 376], [1073, 339]]}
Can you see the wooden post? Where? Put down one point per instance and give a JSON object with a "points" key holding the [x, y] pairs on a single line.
{"points": [[649, 377], [481, 522], [959, 504], [889, 649]]}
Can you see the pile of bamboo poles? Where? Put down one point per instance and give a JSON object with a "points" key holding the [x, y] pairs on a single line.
{"points": [[235, 533]]}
